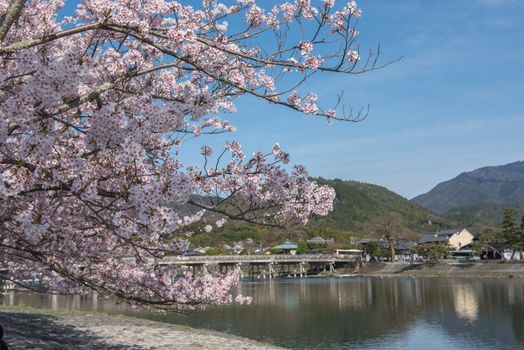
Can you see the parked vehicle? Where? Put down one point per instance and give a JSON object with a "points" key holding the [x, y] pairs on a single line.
{"points": [[465, 254]]}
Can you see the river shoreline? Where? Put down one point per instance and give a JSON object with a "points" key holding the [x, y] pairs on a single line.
{"points": [[27, 328], [444, 269]]}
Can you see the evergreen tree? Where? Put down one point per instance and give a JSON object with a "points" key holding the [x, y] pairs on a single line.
{"points": [[509, 226], [432, 252], [510, 230], [302, 247]]}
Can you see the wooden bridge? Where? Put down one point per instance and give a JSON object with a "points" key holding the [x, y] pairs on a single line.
{"points": [[262, 266]]}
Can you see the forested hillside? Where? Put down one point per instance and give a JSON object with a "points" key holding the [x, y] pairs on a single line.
{"points": [[359, 203]]}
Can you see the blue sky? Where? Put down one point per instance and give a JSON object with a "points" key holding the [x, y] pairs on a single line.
{"points": [[452, 104]]}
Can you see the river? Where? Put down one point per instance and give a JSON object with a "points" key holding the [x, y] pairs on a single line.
{"points": [[350, 313]]}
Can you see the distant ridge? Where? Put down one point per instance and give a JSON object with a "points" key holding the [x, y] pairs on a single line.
{"points": [[478, 196]]}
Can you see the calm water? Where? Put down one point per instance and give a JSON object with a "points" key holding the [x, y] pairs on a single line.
{"points": [[352, 313]]}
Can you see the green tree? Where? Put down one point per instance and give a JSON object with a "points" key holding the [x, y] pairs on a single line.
{"points": [[510, 230], [376, 249], [215, 251], [522, 222], [432, 252], [303, 248]]}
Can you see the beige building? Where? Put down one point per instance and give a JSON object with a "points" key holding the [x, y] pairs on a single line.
{"points": [[456, 238], [460, 239]]}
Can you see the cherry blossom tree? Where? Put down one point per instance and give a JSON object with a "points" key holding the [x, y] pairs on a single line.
{"points": [[95, 107]]}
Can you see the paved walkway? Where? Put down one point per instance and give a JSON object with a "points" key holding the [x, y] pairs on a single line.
{"points": [[74, 330]]}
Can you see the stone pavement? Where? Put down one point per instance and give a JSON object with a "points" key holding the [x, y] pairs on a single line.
{"points": [[39, 329]]}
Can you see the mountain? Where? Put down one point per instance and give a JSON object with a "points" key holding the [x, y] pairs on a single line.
{"points": [[357, 204], [490, 215], [478, 196]]}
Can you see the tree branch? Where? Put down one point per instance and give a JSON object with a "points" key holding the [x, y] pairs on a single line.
{"points": [[11, 15], [25, 44]]}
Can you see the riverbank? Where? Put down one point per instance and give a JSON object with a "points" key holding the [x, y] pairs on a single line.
{"points": [[48, 329], [445, 269]]}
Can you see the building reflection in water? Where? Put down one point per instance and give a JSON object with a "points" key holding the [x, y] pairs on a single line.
{"points": [[465, 301]]}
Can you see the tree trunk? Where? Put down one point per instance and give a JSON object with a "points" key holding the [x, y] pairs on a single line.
{"points": [[391, 250]]}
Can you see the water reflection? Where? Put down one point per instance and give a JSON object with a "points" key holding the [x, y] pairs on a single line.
{"points": [[356, 313], [465, 301]]}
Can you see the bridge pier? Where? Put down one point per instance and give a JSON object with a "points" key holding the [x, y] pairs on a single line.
{"points": [[302, 269], [239, 269], [270, 270], [198, 268], [228, 266]]}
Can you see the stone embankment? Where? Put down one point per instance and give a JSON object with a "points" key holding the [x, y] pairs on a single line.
{"points": [[445, 269], [42, 329]]}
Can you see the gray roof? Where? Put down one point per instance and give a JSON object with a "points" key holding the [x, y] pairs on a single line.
{"points": [[405, 245], [499, 246], [432, 238], [320, 240], [448, 232]]}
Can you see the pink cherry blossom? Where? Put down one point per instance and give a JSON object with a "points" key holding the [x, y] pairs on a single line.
{"points": [[305, 48], [96, 111], [221, 222], [353, 56], [276, 149]]}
